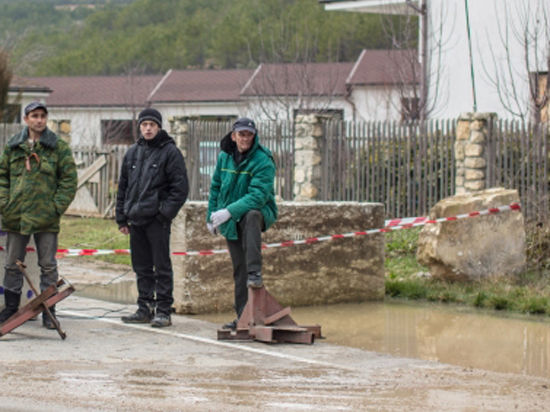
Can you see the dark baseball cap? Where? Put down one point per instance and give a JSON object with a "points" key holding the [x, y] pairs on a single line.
{"points": [[244, 123], [35, 105]]}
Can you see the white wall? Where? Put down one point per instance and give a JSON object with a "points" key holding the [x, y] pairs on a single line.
{"points": [[86, 121], [272, 108], [489, 20], [376, 103], [201, 109], [24, 99]]}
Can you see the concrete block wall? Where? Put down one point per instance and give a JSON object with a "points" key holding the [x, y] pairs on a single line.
{"points": [[343, 270]]}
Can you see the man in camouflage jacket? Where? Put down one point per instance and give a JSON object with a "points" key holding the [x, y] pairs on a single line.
{"points": [[38, 181]]}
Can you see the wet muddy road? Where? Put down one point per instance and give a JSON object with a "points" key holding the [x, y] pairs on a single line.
{"points": [[105, 365]]}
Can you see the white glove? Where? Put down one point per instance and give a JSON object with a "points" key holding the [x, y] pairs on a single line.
{"points": [[220, 217], [211, 228]]}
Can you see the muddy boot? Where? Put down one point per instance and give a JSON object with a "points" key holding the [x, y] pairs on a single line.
{"points": [[161, 320], [254, 280], [46, 321], [141, 316], [12, 300]]}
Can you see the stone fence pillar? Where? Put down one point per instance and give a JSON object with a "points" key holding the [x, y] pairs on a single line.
{"points": [[179, 130], [470, 151], [307, 157]]}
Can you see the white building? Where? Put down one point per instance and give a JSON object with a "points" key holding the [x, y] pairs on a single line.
{"points": [[103, 109], [496, 77]]}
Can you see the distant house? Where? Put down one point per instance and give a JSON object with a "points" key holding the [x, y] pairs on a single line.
{"points": [[509, 46], [103, 109], [21, 92], [280, 91], [211, 94]]}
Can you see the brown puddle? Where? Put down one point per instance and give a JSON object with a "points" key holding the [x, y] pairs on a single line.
{"points": [[452, 335]]}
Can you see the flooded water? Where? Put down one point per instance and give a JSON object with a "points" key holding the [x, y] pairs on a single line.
{"points": [[453, 335]]}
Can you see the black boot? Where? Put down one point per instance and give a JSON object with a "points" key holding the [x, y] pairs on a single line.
{"points": [[142, 315], [12, 300], [46, 321]]}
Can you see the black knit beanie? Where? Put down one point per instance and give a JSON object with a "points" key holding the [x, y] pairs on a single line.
{"points": [[150, 114]]}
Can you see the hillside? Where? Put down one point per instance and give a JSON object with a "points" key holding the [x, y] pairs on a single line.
{"points": [[55, 37]]}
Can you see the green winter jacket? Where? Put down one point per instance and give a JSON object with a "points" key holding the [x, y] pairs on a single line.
{"points": [[244, 187], [36, 186]]}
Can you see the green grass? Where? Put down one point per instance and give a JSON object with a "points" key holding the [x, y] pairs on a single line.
{"points": [[527, 293], [93, 233]]}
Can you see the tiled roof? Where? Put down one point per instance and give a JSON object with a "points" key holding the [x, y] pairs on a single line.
{"points": [[201, 86], [85, 91], [373, 67], [294, 79], [25, 84], [378, 67]]}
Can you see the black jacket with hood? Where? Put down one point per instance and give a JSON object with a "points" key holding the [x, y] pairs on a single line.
{"points": [[153, 182]]}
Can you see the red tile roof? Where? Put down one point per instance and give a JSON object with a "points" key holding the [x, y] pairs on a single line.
{"points": [[85, 91], [26, 84], [201, 86], [373, 67], [378, 67], [293, 79]]}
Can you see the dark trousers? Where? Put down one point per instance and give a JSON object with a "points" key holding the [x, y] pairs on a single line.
{"points": [[246, 255], [150, 251], [46, 248]]}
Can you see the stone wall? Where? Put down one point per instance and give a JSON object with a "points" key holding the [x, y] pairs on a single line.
{"points": [[470, 150], [342, 270], [62, 128], [308, 144], [179, 130]]}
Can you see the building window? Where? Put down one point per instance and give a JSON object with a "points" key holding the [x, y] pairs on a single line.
{"points": [[118, 132], [410, 109], [11, 114]]}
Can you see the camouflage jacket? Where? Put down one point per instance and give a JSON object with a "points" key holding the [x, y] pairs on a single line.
{"points": [[36, 184]]}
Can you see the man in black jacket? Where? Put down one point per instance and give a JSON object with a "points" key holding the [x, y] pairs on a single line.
{"points": [[152, 188]]}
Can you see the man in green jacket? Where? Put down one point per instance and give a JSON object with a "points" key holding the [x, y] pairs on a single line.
{"points": [[37, 183], [242, 205]]}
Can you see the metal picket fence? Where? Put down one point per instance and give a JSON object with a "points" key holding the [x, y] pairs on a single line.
{"points": [[204, 147], [406, 166], [518, 157]]}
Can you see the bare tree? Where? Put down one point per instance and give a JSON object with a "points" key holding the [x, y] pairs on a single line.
{"points": [[288, 80], [279, 91], [5, 80], [417, 70], [530, 31]]}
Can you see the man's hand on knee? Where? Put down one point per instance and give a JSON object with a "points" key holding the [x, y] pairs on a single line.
{"points": [[220, 217]]}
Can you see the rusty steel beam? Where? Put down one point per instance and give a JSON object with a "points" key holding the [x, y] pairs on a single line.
{"points": [[46, 299], [265, 320]]}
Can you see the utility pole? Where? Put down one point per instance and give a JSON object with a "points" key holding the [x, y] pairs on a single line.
{"points": [[422, 11]]}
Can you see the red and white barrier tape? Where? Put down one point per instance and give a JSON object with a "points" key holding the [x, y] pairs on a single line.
{"points": [[390, 225]]}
